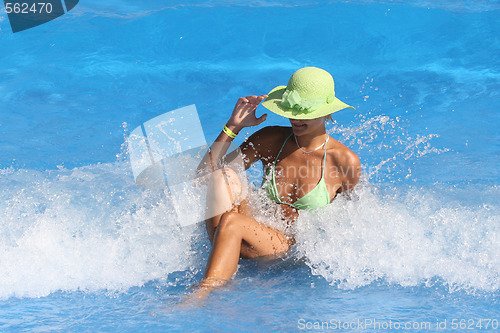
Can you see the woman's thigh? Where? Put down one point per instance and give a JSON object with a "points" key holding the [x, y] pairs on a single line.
{"points": [[226, 192], [257, 239]]}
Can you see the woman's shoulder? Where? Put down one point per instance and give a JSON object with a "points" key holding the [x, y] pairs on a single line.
{"points": [[275, 129], [343, 155], [347, 165], [271, 134], [267, 141]]}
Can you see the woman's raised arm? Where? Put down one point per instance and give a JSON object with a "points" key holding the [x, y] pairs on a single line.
{"points": [[243, 116]]}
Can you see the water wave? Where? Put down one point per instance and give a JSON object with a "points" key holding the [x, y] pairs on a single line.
{"points": [[87, 229], [406, 236], [91, 228]]}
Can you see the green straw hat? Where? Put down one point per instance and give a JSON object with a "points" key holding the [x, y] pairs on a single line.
{"points": [[310, 94]]}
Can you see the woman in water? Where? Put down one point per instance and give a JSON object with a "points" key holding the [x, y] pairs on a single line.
{"points": [[305, 169]]}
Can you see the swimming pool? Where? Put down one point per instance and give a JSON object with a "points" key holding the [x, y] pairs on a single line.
{"points": [[84, 249]]}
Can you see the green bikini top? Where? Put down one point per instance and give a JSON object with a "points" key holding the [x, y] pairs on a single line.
{"points": [[317, 197]]}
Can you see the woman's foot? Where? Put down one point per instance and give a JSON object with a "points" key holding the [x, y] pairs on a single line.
{"points": [[202, 291]]}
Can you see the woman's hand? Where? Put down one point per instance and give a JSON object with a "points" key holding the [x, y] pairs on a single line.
{"points": [[244, 113]]}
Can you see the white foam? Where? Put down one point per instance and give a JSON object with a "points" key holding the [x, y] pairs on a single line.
{"points": [[88, 228], [91, 228], [404, 237]]}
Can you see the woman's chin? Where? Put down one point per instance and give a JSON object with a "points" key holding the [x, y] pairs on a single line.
{"points": [[299, 129]]}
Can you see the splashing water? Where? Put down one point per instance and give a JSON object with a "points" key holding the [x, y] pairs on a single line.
{"points": [[388, 147], [91, 228], [88, 229], [404, 237]]}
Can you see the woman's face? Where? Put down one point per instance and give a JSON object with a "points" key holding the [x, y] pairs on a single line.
{"points": [[307, 126]]}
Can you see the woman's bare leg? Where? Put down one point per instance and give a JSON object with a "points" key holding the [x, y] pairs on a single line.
{"points": [[232, 232], [224, 189], [238, 234]]}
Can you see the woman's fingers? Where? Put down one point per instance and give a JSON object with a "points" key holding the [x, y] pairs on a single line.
{"points": [[253, 99], [261, 119], [244, 111], [250, 102], [242, 100], [256, 99]]}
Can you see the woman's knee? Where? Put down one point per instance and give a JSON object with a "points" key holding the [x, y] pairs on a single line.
{"points": [[221, 194], [230, 223], [226, 179]]}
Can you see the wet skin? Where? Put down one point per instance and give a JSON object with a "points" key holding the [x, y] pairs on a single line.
{"points": [[235, 233]]}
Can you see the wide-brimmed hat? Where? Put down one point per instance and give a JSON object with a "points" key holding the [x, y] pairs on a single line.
{"points": [[310, 94]]}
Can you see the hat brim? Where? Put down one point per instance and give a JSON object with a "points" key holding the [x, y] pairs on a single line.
{"points": [[273, 103]]}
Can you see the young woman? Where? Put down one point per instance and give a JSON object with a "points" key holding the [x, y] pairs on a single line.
{"points": [[305, 169]]}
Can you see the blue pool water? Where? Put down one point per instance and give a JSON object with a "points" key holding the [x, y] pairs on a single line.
{"points": [[84, 249]]}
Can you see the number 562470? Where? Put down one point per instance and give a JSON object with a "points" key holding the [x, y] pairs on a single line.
{"points": [[25, 8]]}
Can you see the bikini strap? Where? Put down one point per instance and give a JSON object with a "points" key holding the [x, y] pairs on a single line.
{"points": [[284, 143], [273, 176], [324, 157]]}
